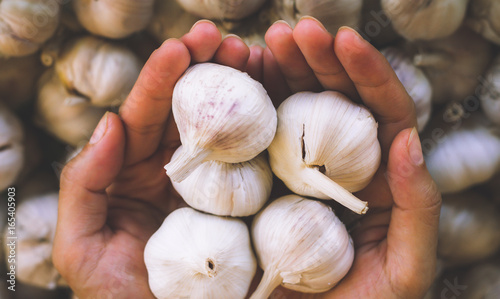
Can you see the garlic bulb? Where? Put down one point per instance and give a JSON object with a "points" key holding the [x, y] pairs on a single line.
{"points": [[222, 114], [453, 65], [65, 114], [300, 244], [414, 81], [425, 20], [195, 255], [333, 14], [221, 9], [35, 230], [11, 147], [227, 189], [482, 281], [463, 156], [114, 18], [490, 96], [170, 21], [484, 18], [326, 147], [26, 24], [468, 228], [98, 70]]}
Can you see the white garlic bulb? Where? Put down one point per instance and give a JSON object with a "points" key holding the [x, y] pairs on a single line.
{"points": [[195, 255], [490, 95], [170, 21], [333, 14], [425, 20], [222, 114], [453, 64], [414, 81], [98, 70], [227, 189], [66, 115], [26, 24], [300, 244], [221, 9], [114, 18], [11, 147], [326, 147], [468, 228], [462, 157], [484, 18], [35, 230]]}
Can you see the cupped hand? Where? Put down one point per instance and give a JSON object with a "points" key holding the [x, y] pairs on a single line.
{"points": [[396, 241], [115, 194]]}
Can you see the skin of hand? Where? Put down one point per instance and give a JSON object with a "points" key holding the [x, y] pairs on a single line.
{"points": [[115, 194]]}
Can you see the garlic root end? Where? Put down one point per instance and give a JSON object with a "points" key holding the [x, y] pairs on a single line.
{"points": [[181, 166]]}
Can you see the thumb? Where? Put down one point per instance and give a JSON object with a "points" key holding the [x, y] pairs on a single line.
{"points": [[412, 235]]}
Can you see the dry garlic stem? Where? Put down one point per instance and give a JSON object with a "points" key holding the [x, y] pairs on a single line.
{"points": [[170, 21], [98, 70], [11, 147], [227, 189], [414, 81], [26, 24], [425, 19], [221, 9], [454, 64], [300, 244], [36, 220], [484, 18], [64, 113], [490, 96], [468, 228], [114, 18], [326, 147], [195, 255], [222, 114], [332, 13]]}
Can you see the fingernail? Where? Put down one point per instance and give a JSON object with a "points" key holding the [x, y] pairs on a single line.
{"points": [[100, 130], [356, 34], [230, 35], [201, 21], [282, 22], [314, 19], [415, 148]]}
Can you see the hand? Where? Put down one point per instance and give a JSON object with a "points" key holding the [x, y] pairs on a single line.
{"points": [[396, 241], [115, 194]]}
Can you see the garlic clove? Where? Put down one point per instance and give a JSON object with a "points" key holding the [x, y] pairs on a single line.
{"points": [[221, 9], [490, 94], [415, 82], [326, 147], [425, 20], [195, 255], [12, 151], [301, 245], [222, 114], [227, 189], [484, 18]]}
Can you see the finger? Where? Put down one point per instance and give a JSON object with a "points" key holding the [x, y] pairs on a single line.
{"points": [[146, 109], [82, 198], [413, 231], [316, 44], [255, 63], [202, 40], [377, 85], [232, 52], [293, 65], [274, 81]]}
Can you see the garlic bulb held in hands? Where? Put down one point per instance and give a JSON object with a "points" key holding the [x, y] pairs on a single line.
{"points": [[326, 147], [227, 189], [195, 255], [300, 244], [484, 18], [11, 147], [222, 114]]}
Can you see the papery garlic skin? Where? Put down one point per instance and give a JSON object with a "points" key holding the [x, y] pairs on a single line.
{"points": [[114, 18], [98, 70], [26, 24], [300, 244], [325, 133], [490, 95], [36, 220], [227, 189], [333, 14], [221, 9], [12, 149], [484, 18], [415, 82], [195, 255], [222, 114], [425, 20]]}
